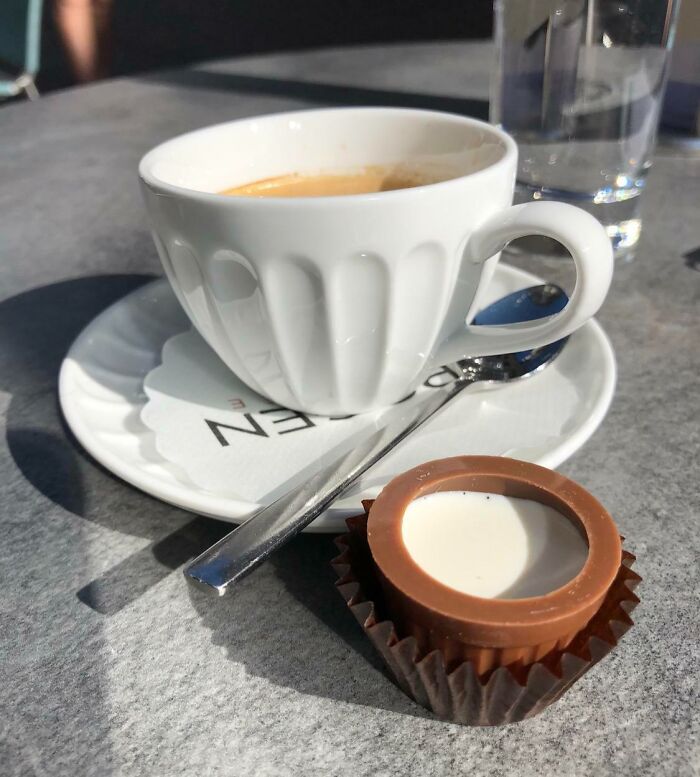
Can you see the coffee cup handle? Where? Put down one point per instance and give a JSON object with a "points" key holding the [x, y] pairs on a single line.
{"points": [[591, 250]]}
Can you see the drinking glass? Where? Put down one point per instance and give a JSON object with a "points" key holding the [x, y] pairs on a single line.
{"points": [[580, 85]]}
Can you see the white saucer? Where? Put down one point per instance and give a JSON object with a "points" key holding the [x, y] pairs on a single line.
{"points": [[544, 419]]}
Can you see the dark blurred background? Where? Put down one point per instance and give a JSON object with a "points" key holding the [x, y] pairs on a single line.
{"points": [[149, 34]]}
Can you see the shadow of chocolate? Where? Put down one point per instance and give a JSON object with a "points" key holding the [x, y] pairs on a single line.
{"points": [[287, 623]]}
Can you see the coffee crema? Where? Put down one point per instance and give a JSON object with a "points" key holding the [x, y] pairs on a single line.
{"points": [[368, 180]]}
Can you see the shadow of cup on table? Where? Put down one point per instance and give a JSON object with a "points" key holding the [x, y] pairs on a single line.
{"points": [[287, 623], [37, 328], [47, 477]]}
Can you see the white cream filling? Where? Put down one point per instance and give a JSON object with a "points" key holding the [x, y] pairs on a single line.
{"points": [[493, 546]]}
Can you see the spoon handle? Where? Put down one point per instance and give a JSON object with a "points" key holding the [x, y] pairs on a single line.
{"points": [[248, 545]]}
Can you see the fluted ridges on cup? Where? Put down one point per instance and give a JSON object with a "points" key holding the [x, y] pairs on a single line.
{"points": [[312, 330]]}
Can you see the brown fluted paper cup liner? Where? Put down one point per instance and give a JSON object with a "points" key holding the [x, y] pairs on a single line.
{"points": [[506, 694]]}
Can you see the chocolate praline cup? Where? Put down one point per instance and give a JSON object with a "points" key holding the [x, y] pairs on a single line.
{"points": [[490, 632]]}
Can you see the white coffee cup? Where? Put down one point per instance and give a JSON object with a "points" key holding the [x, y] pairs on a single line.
{"points": [[338, 305]]}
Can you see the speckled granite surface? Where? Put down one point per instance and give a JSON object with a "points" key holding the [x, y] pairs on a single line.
{"points": [[109, 666]]}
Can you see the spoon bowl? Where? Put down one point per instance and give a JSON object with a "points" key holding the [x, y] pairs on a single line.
{"points": [[530, 304]]}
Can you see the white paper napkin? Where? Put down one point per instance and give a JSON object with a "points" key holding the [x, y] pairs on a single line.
{"points": [[233, 442]]}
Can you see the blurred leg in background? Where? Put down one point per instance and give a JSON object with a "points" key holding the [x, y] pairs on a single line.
{"points": [[84, 26]]}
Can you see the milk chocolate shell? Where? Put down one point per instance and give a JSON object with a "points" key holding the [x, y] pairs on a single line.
{"points": [[505, 694], [490, 632]]}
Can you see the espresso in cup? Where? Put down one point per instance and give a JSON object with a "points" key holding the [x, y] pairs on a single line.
{"points": [[367, 180], [342, 279]]}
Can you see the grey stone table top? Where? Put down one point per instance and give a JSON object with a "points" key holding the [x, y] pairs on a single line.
{"points": [[109, 666]]}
